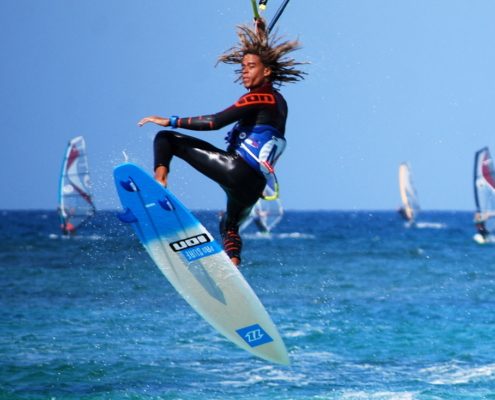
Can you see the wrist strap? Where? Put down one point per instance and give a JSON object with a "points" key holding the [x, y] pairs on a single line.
{"points": [[173, 121]]}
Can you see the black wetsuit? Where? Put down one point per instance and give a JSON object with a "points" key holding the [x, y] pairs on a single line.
{"points": [[480, 226], [403, 213], [242, 184]]}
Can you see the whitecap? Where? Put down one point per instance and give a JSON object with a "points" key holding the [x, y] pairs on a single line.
{"points": [[455, 374], [433, 225]]}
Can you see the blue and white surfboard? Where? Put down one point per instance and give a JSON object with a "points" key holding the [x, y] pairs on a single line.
{"points": [[196, 265]]}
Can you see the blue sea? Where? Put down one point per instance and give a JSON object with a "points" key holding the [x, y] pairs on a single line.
{"points": [[368, 309]]}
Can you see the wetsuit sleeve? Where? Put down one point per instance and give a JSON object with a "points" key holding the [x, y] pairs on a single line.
{"points": [[245, 110]]}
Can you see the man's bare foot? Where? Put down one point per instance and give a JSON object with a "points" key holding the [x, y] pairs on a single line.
{"points": [[161, 175], [236, 261]]}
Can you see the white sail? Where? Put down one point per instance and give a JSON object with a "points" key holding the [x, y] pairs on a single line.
{"points": [[408, 191], [75, 195], [484, 187], [265, 213]]}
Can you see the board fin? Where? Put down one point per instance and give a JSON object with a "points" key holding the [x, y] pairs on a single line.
{"points": [[166, 204], [127, 216], [129, 185]]}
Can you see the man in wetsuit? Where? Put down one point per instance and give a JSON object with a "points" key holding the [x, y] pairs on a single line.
{"points": [[255, 142]]}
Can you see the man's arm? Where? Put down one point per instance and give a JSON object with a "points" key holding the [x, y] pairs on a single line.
{"points": [[242, 109], [156, 120]]}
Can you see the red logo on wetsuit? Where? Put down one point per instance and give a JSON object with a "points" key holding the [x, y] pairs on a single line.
{"points": [[255, 99]]}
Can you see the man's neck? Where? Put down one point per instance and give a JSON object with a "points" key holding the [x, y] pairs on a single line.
{"points": [[257, 87]]}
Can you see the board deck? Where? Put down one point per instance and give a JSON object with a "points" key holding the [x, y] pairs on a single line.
{"points": [[195, 264]]}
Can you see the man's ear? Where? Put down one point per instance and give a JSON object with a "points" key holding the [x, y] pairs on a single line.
{"points": [[267, 71]]}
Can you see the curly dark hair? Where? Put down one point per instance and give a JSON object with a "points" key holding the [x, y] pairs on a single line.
{"points": [[271, 52]]}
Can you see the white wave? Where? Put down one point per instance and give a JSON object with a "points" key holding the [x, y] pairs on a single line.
{"points": [[269, 375], [296, 333], [380, 395], [293, 235], [455, 374], [434, 225], [257, 236], [64, 237], [296, 235]]}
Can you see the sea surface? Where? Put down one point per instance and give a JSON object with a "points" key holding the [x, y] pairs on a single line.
{"points": [[368, 309]]}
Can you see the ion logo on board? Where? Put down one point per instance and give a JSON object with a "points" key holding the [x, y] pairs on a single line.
{"points": [[254, 335], [190, 242]]}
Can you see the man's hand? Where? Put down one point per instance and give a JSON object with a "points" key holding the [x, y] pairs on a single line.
{"points": [[156, 120]]}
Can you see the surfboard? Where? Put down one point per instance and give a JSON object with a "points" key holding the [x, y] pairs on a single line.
{"points": [[481, 240], [195, 264], [478, 238]]}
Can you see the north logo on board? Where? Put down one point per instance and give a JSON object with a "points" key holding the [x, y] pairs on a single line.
{"points": [[190, 242], [254, 335]]}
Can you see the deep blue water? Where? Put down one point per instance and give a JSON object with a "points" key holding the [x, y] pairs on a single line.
{"points": [[367, 309]]}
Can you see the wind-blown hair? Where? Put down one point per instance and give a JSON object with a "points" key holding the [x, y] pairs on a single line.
{"points": [[271, 52]]}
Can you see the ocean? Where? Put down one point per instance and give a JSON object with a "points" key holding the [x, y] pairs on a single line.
{"points": [[368, 309]]}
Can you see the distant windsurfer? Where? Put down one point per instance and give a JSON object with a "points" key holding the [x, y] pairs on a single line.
{"points": [[479, 221], [255, 141], [259, 219], [403, 213], [68, 229]]}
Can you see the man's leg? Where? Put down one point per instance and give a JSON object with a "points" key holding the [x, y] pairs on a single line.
{"points": [[241, 183], [161, 175]]}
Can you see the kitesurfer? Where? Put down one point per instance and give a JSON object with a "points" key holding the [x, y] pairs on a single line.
{"points": [[254, 143]]}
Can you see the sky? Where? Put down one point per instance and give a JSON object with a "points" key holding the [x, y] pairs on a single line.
{"points": [[388, 82]]}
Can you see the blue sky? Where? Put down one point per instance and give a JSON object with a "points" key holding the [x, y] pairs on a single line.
{"points": [[389, 81]]}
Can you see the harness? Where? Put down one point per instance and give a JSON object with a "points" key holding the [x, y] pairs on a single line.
{"points": [[260, 146]]}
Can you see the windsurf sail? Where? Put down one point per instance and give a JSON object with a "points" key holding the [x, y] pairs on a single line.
{"points": [[484, 187], [265, 213], [408, 191], [75, 196]]}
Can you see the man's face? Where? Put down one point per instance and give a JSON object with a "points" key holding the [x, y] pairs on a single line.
{"points": [[254, 72]]}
